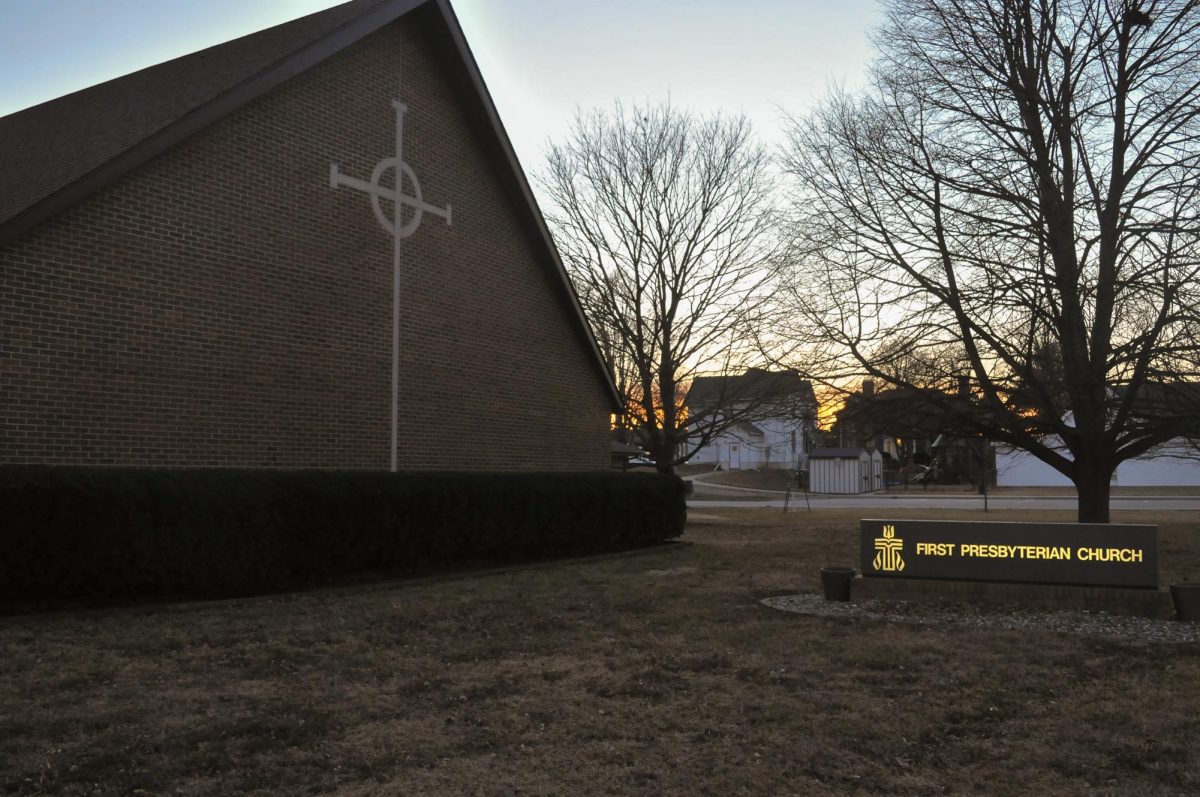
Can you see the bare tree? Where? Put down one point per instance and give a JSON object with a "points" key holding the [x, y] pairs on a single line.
{"points": [[1019, 187], [663, 221]]}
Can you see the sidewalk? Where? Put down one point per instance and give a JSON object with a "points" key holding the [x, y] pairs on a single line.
{"points": [[942, 494]]}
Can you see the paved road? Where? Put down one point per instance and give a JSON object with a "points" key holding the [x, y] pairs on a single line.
{"points": [[885, 502]]}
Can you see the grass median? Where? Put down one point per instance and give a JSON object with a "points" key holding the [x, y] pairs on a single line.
{"points": [[659, 673]]}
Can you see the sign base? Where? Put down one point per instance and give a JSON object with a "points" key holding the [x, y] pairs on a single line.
{"points": [[1131, 602]]}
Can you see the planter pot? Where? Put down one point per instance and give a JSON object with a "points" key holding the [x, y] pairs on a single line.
{"points": [[1186, 598], [836, 582]]}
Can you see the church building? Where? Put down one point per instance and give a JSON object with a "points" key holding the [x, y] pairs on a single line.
{"points": [[310, 247]]}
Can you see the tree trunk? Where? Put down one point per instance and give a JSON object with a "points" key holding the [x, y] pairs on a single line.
{"points": [[665, 461], [1093, 489], [662, 448]]}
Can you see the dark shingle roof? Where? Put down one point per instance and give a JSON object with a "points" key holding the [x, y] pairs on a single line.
{"points": [[835, 453], [755, 384], [49, 146], [54, 154]]}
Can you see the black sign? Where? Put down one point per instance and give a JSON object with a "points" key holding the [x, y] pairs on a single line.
{"points": [[1094, 554]]}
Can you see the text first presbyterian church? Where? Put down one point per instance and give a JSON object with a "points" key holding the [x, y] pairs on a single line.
{"points": [[197, 265]]}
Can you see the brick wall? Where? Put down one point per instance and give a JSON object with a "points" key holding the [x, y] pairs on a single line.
{"points": [[221, 305]]}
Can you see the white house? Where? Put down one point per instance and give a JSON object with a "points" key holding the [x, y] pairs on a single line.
{"points": [[772, 415], [1173, 464]]}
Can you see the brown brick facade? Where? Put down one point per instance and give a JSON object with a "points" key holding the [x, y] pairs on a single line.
{"points": [[222, 306]]}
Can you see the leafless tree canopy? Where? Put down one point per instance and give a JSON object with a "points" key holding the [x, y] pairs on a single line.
{"points": [[662, 219], [1015, 199]]}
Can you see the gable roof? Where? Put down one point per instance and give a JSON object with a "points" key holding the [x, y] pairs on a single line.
{"points": [[756, 384], [836, 453], [48, 148], [55, 154], [902, 411]]}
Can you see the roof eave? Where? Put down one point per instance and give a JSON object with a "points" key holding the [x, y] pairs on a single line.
{"points": [[534, 214], [201, 117], [250, 89]]}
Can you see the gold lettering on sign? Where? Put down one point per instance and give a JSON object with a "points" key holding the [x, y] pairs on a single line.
{"points": [[1122, 555], [1016, 551], [887, 551]]}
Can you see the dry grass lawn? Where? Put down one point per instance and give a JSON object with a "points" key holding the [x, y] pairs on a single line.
{"points": [[777, 480], [652, 674]]}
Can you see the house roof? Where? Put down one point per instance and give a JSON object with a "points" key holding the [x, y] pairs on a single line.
{"points": [[52, 146], [55, 154], [899, 412], [754, 384], [1166, 400], [836, 453]]}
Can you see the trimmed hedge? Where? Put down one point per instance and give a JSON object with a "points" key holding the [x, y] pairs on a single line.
{"points": [[85, 532]]}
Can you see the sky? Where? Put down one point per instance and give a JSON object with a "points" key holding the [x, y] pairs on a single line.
{"points": [[542, 60]]}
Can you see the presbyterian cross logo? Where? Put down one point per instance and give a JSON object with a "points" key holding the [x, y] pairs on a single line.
{"points": [[887, 551]]}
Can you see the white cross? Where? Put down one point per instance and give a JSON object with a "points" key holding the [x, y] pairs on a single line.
{"points": [[397, 195], [398, 230]]}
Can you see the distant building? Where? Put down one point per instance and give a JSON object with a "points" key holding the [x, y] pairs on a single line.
{"points": [[769, 419], [1174, 464], [196, 264], [900, 422]]}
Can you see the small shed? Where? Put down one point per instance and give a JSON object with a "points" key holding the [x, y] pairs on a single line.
{"points": [[845, 471]]}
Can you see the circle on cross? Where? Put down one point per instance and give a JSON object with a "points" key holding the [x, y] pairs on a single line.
{"points": [[416, 201]]}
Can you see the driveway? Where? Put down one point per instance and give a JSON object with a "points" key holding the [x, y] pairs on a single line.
{"points": [[718, 496]]}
